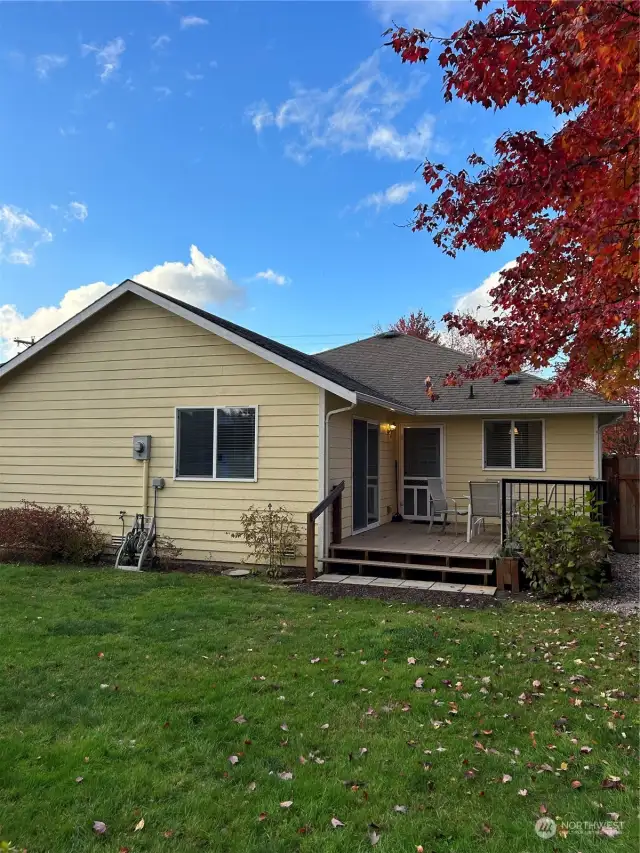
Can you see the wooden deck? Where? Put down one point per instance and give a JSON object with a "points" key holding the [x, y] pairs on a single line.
{"points": [[406, 537]]}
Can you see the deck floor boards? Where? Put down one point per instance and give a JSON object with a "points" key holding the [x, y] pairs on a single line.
{"points": [[407, 538]]}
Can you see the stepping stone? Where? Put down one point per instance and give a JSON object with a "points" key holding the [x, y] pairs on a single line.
{"points": [[417, 584], [358, 580], [447, 587], [479, 590], [237, 573], [390, 582], [329, 578]]}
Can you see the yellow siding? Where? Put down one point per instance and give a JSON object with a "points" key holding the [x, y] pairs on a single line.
{"points": [[569, 452], [67, 418], [340, 442]]}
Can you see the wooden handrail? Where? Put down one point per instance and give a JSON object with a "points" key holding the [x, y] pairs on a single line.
{"points": [[334, 500]]}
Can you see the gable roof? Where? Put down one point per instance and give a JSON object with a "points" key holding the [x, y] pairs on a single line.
{"points": [[386, 370]]}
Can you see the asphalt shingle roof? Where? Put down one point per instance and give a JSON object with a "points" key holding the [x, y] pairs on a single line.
{"points": [[397, 366]]}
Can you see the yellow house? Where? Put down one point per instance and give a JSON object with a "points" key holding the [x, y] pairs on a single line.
{"points": [[237, 419]]}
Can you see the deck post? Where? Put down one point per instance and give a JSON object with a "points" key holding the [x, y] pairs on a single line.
{"points": [[311, 547], [336, 521]]}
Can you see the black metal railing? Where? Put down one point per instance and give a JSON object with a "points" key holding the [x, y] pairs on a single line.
{"points": [[555, 493]]}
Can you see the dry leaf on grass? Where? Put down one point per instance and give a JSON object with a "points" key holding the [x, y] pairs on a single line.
{"points": [[139, 825], [335, 823], [286, 804], [99, 827]]}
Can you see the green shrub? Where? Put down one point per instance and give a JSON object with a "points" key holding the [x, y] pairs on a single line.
{"points": [[564, 548], [271, 535], [49, 534]]}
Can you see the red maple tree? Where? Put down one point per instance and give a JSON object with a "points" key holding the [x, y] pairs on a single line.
{"points": [[416, 323], [570, 302]]}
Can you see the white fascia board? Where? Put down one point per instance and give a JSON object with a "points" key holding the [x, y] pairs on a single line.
{"points": [[511, 413]]}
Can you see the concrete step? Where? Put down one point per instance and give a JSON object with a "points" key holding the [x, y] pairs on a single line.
{"points": [[397, 583], [404, 566]]}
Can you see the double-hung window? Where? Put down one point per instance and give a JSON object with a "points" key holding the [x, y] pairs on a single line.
{"points": [[514, 445], [218, 443]]}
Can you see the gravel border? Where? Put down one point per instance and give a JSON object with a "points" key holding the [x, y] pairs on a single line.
{"points": [[402, 596], [622, 595]]}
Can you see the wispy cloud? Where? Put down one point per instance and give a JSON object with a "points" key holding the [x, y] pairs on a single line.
{"points": [[108, 58], [160, 42], [162, 91], [48, 62], [77, 210], [356, 114], [273, 276], [189, 21], [191, 76], [20, 235], [395, 194]]}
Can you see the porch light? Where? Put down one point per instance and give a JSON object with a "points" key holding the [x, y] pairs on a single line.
{"points": [[388, 428]]}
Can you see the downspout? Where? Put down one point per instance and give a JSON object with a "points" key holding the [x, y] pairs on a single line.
{"points": [[328, 415]]}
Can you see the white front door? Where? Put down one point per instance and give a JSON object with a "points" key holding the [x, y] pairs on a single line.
{"points": [[422, 458]]}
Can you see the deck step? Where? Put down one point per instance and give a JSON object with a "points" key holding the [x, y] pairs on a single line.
{"points": [[403, 566]]}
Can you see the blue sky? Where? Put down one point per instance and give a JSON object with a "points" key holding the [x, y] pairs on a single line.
{"points": [[281, 140]]}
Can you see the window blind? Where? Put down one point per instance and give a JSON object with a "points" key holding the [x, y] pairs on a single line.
{"points": [[235, 443], [497, 444], [528, 444]]}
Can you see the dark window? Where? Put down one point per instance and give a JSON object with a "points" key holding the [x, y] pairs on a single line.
{"points": [[236, 444], [528, 444], [227, 433], [195, 443]]}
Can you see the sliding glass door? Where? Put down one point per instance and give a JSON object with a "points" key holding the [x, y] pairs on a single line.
{"points": [[365, 481]]}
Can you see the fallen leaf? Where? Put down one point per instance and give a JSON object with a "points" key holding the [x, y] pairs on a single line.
{"points": [[564, 765], [486, 828], [542, 808], [411, 661], [374, 837], [168, 833], [233, 759], [335, 823], [613, 815], [79, 779], [286, 775], [314, 660], [609, 832], [478, 745], [419, 683], [262, 816], [100, 654], [536, 684], [400, 809], [612, 782], [506, 778], [284, 727], [586, 749], [139, 825], [523, 792], [324, 726], [286, 804], [240, 719], [99, 827], [576, 784], [363, 750]]}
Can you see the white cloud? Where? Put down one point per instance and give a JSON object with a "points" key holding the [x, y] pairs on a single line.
{"points": [[47, 62], [108, 58], [192, 21], [189, 76], [20, 235], [272, 276], [354, 115], [478, 302], [395, 194], [202, 281], [77, 210], [163, 91], [160, 42]]}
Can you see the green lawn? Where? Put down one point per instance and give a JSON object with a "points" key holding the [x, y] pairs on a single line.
{"points": [[119, 694]]}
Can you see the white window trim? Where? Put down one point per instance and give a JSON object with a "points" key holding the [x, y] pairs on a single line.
{"points": [[512, 467], [214, 479]]}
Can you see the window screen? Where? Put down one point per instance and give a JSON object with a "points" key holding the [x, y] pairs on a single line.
{"points": [[195, 443], [497, 444], [528, 444], [236, 444]]}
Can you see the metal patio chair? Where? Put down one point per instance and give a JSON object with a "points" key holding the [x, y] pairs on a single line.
{"points": [[440, 505], [484, 502]]}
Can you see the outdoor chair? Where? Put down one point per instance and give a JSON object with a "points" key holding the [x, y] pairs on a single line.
{"points": [[484, 502], [440, 505]]}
